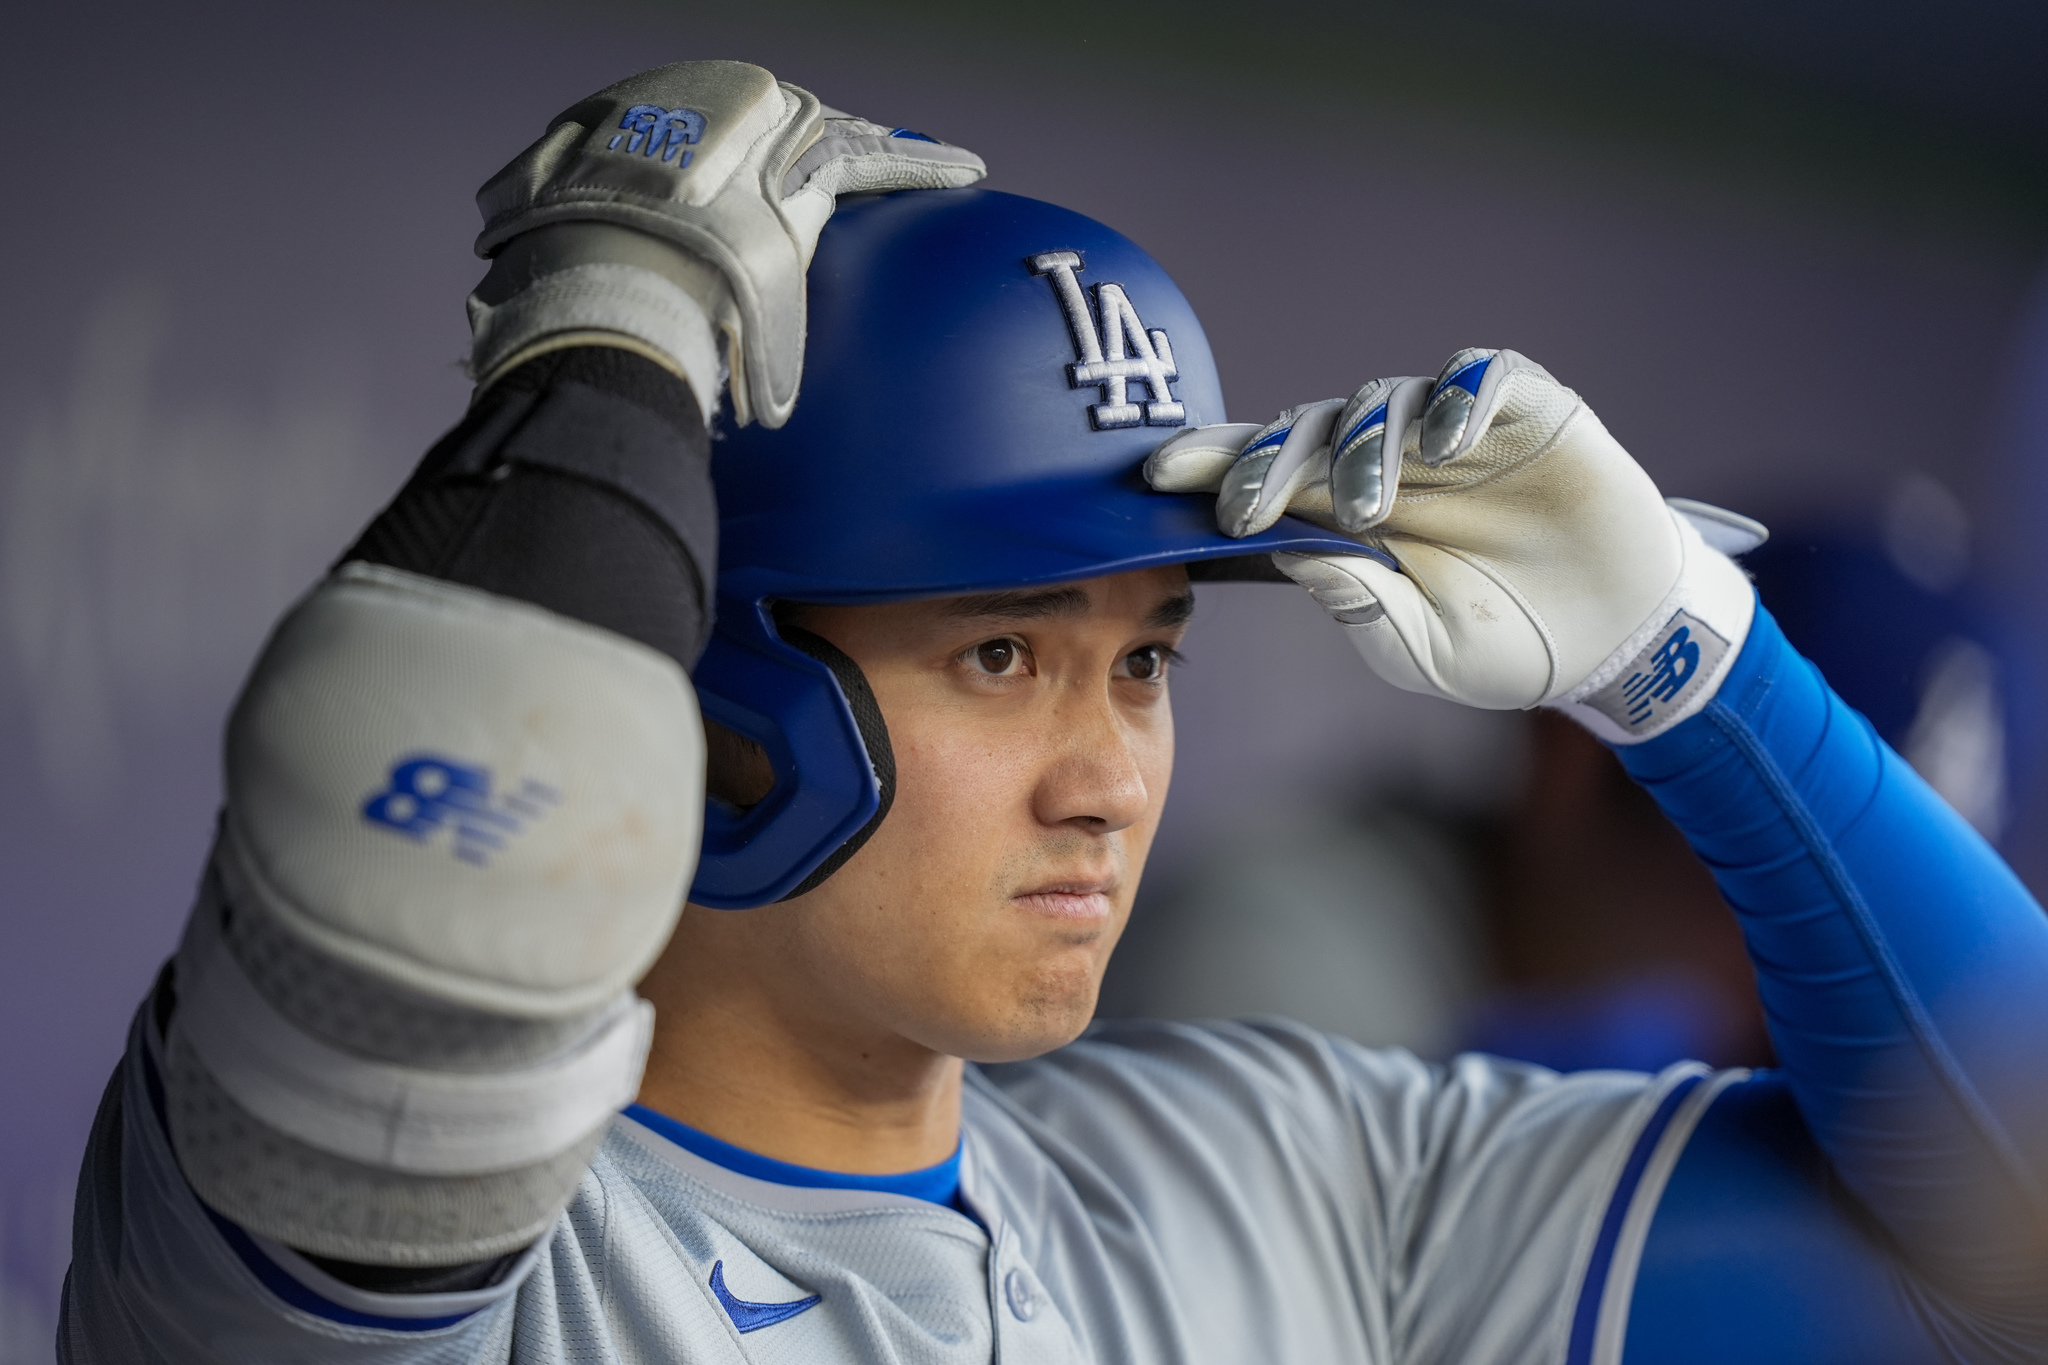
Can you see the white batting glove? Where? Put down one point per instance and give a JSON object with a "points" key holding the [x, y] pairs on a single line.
{"points": [[1538, 563], [724, 178]]}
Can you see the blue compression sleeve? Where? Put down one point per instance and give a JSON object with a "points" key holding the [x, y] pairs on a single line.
{"points": [[1904, 972]]}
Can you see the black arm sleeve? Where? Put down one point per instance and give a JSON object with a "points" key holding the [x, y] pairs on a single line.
{"points": [[580, 482]]}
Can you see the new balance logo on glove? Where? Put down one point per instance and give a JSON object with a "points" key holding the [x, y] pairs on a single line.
{"points": [[1672, 665], [1663, 677], [427, 791]]}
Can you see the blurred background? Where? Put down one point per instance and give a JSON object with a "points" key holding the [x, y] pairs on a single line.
{"points": [[1791, 252]]}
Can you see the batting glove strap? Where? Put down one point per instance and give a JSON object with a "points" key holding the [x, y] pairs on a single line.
{"points": [[600, 304], [1673, 665]]}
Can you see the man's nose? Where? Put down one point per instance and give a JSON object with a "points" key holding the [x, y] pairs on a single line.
{"points": [[1093, 778]]}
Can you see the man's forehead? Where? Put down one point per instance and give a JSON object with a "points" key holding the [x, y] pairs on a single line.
{"points": [[1163, 599]]}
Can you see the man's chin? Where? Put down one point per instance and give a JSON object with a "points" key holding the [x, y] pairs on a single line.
{"points": [[1039, 1026]]}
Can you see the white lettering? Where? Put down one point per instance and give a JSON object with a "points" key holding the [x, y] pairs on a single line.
{"points": [[1122, 351]]}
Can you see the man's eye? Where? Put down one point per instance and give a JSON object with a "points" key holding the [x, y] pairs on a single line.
{"points": [[996, 656], [1147, 664]]}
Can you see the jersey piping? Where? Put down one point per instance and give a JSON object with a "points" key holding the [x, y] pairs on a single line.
{"points": [[1600, 1322], [938, 1184]]}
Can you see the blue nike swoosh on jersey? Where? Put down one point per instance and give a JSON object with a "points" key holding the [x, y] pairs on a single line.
{"points": [[752, 1317]]}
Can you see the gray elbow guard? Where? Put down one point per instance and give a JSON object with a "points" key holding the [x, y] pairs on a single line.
{"points": [[458, 829]]}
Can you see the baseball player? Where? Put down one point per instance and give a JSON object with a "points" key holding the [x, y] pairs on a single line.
{"points": [[876, 680]]}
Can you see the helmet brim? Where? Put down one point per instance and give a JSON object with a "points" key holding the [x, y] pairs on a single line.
{"points": [[1014, 538]]}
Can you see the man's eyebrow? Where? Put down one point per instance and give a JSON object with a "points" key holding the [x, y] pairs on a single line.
{"points": [[1172, 614], [1033, 604], [1023, 605]]}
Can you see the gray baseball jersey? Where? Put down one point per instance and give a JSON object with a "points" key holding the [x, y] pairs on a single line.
{"points": [[1153, 1192]]}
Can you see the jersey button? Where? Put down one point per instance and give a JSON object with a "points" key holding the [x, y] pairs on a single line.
{"points": [[1023, 1299]]}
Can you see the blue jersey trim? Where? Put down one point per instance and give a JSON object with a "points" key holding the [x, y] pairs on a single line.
{"points": [[938, 1184], [269, 1273], [1758, 1254], [1586, 1319], [279, 1281]]}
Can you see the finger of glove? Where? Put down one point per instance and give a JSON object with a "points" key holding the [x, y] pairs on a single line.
{"points": [[1366, 597], [1338, 584], [1365, 469], [1468, 393], [855, 156], [1273, 466], [1461, 637], [1195, 460], [848, 159]]}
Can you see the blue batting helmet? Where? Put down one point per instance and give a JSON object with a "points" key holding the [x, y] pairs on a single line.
{"points": [[984, 376]]}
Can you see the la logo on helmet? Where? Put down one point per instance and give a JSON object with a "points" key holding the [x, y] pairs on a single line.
{"points": [[1123, 350]]}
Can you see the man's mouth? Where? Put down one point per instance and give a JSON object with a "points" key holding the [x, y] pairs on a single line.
{"points": [[1069, 898]]}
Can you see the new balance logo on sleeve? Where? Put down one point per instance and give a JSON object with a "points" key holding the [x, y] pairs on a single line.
{"points": [[1122, 351], [1662, 678], [428, 791]]}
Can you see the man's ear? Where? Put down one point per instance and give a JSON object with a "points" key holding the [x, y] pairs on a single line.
{"points": [[736, 770]]}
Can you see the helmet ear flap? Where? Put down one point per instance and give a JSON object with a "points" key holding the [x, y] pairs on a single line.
{"points": [[810, 709], [874, 734]]}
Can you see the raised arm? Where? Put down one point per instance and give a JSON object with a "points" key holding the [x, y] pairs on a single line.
{"points": [[1514, 555], [1904, 972], [465, 778]]}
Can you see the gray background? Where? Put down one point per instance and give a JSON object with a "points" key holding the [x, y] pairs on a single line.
{"points": [[1786, 250]]}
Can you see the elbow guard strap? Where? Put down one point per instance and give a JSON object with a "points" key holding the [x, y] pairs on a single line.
{"points": [[390, 1115]]}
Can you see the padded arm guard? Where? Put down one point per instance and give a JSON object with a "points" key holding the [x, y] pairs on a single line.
{"points": [[464, 796], [472, 798]]}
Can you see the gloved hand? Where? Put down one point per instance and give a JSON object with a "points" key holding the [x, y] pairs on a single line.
{"points": [[677, 205], [1538, 563]]}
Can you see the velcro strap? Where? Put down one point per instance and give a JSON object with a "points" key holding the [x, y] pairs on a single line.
{"points": [[1672, 665], [1664, 677], [382, 1114], [606, 298]]}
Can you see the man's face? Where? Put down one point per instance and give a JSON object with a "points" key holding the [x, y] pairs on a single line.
{"points": [[1033, 743]]}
